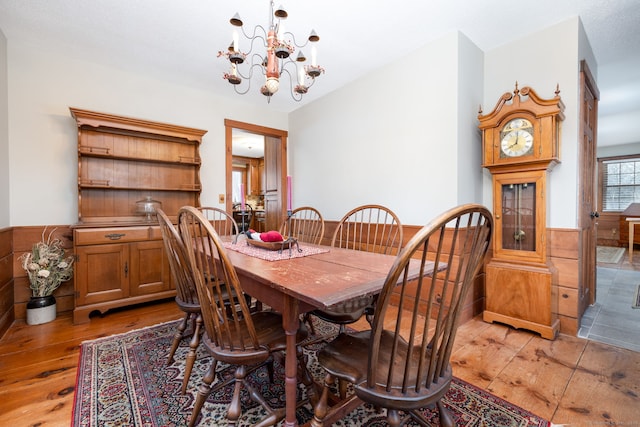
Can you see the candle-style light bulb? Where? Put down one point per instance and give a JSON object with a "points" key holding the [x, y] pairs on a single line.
{"points": [[301, 76], [235, 41], [314, 55], [280, 31]]}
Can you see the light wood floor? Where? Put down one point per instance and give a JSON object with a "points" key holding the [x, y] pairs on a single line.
{"points": [[568, 381]]}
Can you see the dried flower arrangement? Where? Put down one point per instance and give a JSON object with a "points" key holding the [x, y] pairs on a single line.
{"points": [[47, 266]]}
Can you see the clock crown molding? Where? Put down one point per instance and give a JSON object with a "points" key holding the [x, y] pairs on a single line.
{"points": [[532, 103], [534, 147]]}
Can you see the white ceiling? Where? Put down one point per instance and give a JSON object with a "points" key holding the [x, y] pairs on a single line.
{"points": [[179, 40]]}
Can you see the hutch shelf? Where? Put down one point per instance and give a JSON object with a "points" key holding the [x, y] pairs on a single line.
{"points": [[120, 256]]}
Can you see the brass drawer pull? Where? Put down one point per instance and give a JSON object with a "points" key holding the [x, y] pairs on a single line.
{"points": [[114, 236]]}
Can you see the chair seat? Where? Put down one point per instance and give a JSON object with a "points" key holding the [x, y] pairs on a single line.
{"points": [[270, 335], [368, 228], [187, 306], [347, 356]]}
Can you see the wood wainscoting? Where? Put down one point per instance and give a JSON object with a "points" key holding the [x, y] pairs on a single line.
{"points": [[564, 252], [6, 280], [14, 288], [14, 285]]}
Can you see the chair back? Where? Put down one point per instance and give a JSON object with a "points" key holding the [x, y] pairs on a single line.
{"points": [[178, 261], [370, 228], [305, 224], [243, 219], [222, 222], [419, 336], [213, 274]]}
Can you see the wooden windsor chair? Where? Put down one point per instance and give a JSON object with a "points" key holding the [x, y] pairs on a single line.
{"points": [[243, 219], [245, 340], [403, 363], [305, 225], [222, 222], [186, 294], [225, 225]]}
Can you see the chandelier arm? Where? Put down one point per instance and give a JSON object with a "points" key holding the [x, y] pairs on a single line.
{"points": [[292, 83], [242, 92], [262, 36], [312, 82], [284, 63], [250, 75], [293, 39], [261, 45], [246, 78]]}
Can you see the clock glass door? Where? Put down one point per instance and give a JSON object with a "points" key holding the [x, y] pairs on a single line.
{"points": [[519, 216]]}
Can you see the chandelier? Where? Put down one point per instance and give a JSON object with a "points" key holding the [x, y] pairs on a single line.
{"points": [[272, 58]]}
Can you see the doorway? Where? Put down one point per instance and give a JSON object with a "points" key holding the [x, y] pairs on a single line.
{"points": [[587, 188], [272, 176]]}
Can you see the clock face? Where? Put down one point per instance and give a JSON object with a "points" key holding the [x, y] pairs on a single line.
{"points": [[516, 138]]}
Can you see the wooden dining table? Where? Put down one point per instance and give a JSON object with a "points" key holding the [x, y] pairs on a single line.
{"points": [[292, 286]]}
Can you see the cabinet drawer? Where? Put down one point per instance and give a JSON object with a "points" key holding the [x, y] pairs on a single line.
{"points": [[155, 233], [101, 236]]}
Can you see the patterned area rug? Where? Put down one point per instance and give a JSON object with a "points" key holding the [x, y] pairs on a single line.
{"points": [[608, 254], [123, 380]]}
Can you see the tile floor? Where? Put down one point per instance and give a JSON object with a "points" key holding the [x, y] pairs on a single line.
{"points": [[611, 319]]}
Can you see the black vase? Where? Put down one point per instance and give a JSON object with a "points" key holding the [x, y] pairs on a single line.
{"points": [[40, 302]]}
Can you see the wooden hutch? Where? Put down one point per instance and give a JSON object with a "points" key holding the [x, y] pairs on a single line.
{"points": [[122, 162]]}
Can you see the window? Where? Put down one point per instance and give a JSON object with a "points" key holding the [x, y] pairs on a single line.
{"points": [[238, 176], [620, 183]]}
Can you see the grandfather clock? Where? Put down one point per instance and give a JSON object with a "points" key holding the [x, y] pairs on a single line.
{"points": [[521, 144]]}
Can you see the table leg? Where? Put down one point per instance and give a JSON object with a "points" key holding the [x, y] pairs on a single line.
{"points": [[290, 323], [631, 230]]}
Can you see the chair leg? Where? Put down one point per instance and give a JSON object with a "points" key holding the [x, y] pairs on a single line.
{"points": [[304, 376], [321, 408], [446, 420], [191, 357], [235, 407], [274, 416], [342, 389], [203, 392], [177, 337], [306, 318], [393, 418]]}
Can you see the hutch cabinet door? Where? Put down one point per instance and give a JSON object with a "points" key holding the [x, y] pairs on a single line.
{"points": [[102, 273], [149, 268]]}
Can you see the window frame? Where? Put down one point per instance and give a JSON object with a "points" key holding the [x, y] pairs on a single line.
{"points": [[602, 162]]}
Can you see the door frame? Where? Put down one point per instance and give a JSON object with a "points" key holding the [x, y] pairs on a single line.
{"points": [[259, 130], [587, 189]]}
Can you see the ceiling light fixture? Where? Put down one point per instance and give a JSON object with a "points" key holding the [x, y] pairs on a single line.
{"points": [[273, 63]]}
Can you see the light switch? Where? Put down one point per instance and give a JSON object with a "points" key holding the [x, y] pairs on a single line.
{"points": [[220, 198]]}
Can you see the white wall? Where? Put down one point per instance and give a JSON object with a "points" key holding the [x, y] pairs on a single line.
{"points": [[404, 136], [543, 60], [393, 137], [470, 87], [4, 136], [619, 150], [42, 135]]}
